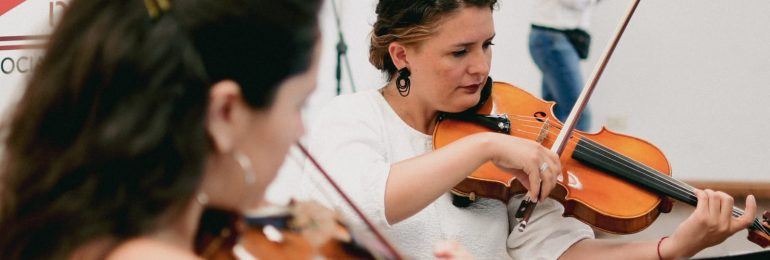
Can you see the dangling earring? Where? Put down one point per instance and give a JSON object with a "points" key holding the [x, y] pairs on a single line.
{"points": [[248, 172], [402, 82], [202, 198]]}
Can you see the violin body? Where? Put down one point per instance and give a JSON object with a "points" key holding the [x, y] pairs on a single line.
{"points": [[599, 199], [295, 246], [224, 235]]}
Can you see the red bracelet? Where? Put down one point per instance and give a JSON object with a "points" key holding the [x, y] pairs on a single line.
{"points": [[660, 242]]}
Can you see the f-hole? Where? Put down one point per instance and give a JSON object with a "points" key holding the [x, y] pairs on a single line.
{"points": [[540, 116]]}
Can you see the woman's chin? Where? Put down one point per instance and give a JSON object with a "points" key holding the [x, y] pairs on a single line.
{"points": [[456, 109], [461, 105]]}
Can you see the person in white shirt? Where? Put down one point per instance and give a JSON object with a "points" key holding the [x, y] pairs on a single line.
{"points": [[556, 25], [377, 144]]}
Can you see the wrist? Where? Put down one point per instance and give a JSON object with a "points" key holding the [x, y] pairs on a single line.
{"points": [[487, 145], [672, 248]]}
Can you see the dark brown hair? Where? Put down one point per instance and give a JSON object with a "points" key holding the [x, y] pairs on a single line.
{"points": [[409, 22], [109, 134]]}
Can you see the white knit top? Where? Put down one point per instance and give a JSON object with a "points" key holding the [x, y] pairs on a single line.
{"points": [[357, 137]]}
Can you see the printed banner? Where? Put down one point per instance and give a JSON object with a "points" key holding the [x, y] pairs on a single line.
{"points": [[24, 29]]}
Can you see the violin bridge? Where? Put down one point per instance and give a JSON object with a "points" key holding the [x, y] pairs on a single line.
{"points": [[543, 132]]}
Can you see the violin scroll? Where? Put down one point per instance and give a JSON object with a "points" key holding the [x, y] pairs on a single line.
{"points": [[301, 230], [759, 233]]}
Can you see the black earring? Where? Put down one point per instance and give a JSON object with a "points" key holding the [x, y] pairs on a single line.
{"points": [[402, 82]]}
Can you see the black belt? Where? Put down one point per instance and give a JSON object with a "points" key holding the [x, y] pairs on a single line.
{"points": [[547, 28], [579, 39]]}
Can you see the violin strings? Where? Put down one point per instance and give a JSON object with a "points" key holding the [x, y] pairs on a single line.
{"points": [[655, 176], [658, 178], [668, 181], [682, 187], [758, 225], [665, 180], [672, 185]]}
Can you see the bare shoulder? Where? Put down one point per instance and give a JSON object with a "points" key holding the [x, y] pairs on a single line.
{"points": [[144, 248]]}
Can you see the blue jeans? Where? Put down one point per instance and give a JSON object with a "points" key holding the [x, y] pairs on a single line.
{"points": [[560, 65]]}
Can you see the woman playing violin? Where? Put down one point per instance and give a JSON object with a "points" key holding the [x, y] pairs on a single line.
{"points": [[437, 56], [143, 112]]}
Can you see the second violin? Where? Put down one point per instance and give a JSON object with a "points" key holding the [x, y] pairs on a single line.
{"points": [[302, 230]]}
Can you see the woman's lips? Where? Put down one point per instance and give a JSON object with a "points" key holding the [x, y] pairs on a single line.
{"points": [[470, 88]]}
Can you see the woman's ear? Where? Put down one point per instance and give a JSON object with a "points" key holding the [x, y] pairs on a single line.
{"points": [[397, 53], [222, 115]]}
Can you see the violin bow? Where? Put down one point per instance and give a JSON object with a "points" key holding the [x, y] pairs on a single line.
{"points": [[569, 125], [391, 249]]}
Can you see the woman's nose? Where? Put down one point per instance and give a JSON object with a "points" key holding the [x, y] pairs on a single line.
{"points": [[480, 63]]}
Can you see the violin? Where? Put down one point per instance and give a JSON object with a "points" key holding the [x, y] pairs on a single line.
{"points": [[614, 182], [302, 230], [299, 231], [611, 181]]}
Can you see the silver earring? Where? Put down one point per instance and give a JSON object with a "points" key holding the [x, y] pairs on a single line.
{"points": [[202, 198], [248, 172]]}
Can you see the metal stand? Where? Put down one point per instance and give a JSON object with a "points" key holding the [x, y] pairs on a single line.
{"points": [[342, 49]]}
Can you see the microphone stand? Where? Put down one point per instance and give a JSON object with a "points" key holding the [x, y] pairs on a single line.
{"points": [[342, 49]]}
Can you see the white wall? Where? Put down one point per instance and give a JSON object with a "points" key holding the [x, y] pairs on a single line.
{"points": [[688, 76], [692, 77]]}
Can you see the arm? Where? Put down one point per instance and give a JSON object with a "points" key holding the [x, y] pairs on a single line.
{"points": [[416, 182], [710, 224], [610, 249]]}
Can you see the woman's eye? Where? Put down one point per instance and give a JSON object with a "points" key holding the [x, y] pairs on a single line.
{"points": [[487, 44], [459, 53]]}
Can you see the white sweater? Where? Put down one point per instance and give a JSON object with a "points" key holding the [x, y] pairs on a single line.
{"points": [[357, 137], [563, 14]]}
